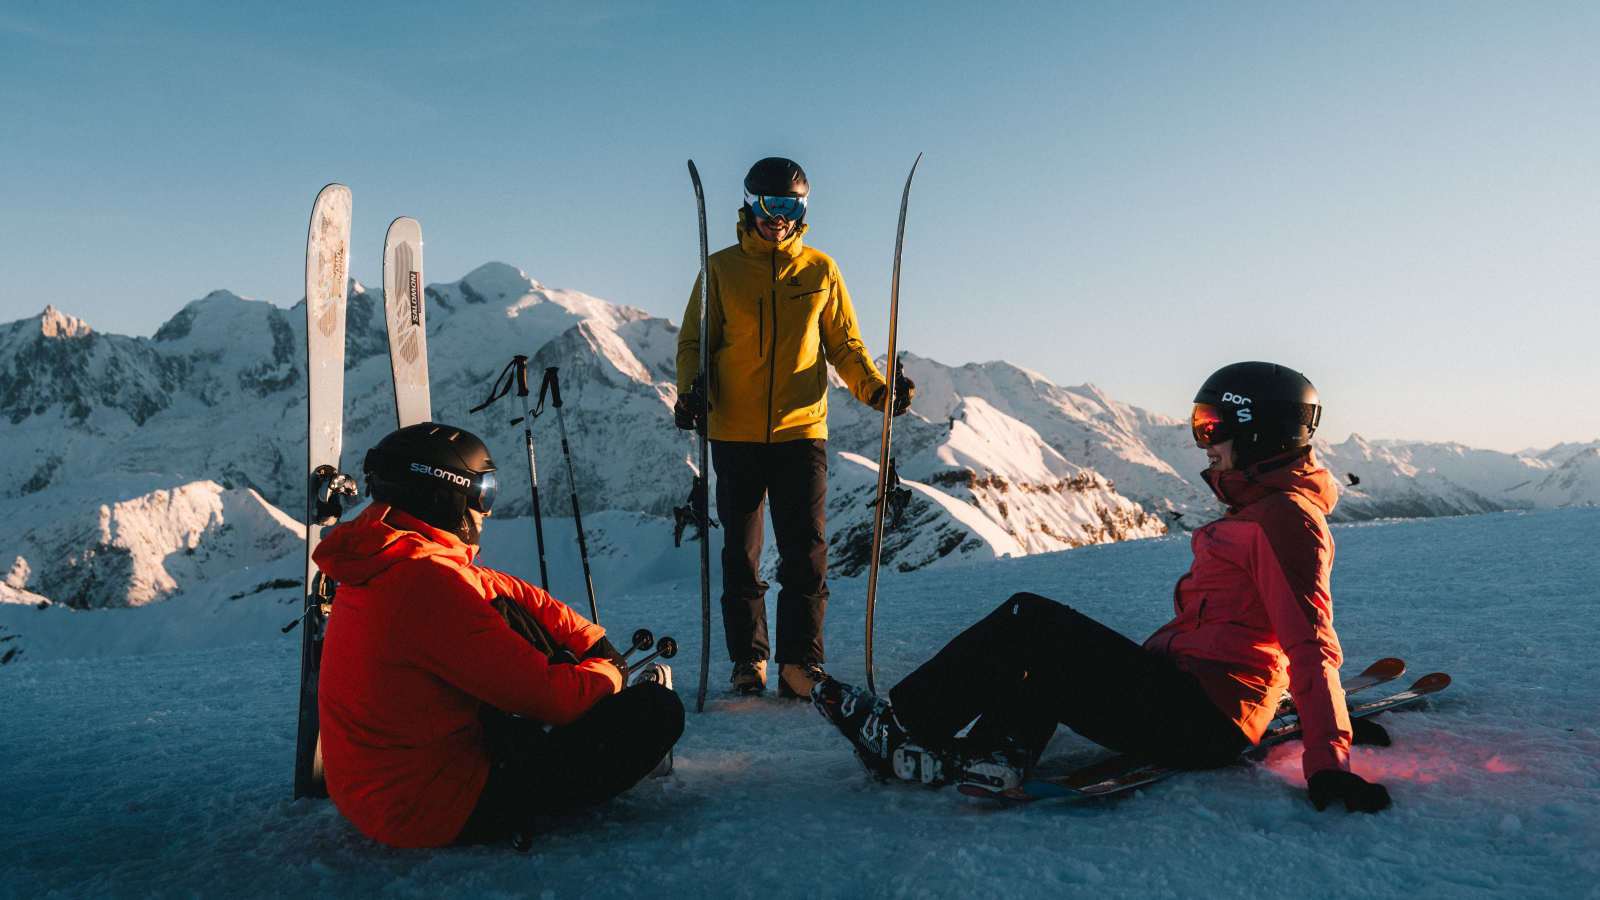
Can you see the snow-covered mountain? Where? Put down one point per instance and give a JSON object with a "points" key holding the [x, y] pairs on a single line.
{"points": [[1001, 461]]}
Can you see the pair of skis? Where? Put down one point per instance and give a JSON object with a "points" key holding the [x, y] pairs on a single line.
{"points": [[888, 493], [327, 290], [1120, 774]]}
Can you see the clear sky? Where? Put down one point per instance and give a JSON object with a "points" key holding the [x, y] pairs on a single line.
{"points": [[1400, 199]]}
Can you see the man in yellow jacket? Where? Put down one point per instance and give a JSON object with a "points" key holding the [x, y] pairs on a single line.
{"points": [[779, 315]]}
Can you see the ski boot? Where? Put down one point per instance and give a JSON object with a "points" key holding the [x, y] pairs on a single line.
{"points": [[867, 722], [795, 680], [750, 678], [1000, 770]]}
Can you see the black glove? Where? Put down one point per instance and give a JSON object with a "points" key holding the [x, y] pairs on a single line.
{"points": [[904, 390], [603, 650], [1358, 794], [691, 405], [1369, 733]]}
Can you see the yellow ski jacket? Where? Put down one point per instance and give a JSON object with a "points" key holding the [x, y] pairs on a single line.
{"points": [[779, 315]]}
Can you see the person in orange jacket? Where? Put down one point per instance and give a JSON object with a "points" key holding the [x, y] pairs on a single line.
{"points": [[1254, 616], [458, 703], [779, 315]]}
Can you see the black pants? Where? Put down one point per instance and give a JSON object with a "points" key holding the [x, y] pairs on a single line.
{"points": [[794, 475], [1034, 663], [534, 772]]}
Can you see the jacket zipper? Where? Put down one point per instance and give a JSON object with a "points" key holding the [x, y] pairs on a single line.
{"points": [[772, 359]]}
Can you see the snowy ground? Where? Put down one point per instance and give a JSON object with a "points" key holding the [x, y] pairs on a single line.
{"points": [[168, 775]]}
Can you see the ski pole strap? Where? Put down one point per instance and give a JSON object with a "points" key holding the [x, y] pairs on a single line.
{"points": [[498, 390], [552, 383]]}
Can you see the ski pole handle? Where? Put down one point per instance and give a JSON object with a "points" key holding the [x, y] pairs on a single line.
{"points": [[522, 375], [667, 648], [553, 382]]}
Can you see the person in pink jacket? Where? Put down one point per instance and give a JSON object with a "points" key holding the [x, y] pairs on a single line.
{"points": [[1253, 617]]}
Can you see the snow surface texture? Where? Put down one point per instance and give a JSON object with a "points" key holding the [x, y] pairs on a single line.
{"points": [[169, 775]]}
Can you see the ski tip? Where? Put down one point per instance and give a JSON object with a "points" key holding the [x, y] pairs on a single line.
{"points": [[1436, 681], [1388, 667]]}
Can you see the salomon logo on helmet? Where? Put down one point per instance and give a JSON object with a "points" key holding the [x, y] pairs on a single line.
{"points": [[426, 469]]}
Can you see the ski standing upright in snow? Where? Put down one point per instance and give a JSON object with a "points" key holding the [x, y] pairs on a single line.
{"points": [[406, 321], [698, 509], [327, 280], [889, 492]]}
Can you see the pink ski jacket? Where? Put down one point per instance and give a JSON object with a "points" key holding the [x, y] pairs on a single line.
{"points": [[1254, 613]]}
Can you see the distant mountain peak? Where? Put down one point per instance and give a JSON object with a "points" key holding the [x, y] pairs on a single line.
{"points": [[56, 324]]}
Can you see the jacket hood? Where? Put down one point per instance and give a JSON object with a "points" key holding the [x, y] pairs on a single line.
{"points": [[1297, 472], [751, 241], [355, 552]]}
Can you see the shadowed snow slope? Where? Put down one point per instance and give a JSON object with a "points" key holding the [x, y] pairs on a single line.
{"points": [[170, 775]]}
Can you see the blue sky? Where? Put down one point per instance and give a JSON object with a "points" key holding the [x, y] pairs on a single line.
{"points": [[1402, 200]]}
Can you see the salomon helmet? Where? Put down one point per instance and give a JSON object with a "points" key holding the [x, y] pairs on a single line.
{"points": [[1264, 408], [435, 473]]}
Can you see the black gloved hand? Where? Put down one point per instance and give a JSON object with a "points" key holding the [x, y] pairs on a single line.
{"points": [[904, 389], [690, 405], [1369, 733], [602, 649], [1358, 794]]}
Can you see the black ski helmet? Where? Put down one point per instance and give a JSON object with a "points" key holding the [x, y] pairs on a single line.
{"points": [[1264, 408], [777, 177], [435, 473]]}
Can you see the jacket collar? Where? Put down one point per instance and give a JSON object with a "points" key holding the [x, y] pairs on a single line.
{"points": [[1297, 472], [381, 536], [751, 241]]}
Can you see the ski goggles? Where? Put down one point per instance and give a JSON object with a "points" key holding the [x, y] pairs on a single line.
{"points": [[1210, 424], [764, 207]]}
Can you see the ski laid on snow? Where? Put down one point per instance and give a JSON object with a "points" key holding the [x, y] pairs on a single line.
{"points": [[327, 274], [406, 321], [1096, 784], [889, 492], [1120, 772]]}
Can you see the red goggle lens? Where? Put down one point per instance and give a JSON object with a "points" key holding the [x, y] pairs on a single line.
{"points": [[1210, 426]]}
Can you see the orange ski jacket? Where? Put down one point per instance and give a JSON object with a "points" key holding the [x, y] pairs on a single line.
{"points": [[1254, 612], [411, 650], [779, 314]]}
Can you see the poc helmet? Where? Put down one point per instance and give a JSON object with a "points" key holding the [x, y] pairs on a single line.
{"points": [[435, 473], [776, 187], [1264, 408]]}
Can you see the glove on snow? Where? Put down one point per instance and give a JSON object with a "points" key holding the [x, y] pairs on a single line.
{"points": [[904, 390], [1358, 794], [1369, 733]]}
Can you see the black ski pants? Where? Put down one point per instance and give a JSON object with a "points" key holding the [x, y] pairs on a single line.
{"points": [[537, 771], [794, 476], [1034, 663]]}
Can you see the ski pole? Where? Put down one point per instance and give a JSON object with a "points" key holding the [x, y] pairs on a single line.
{"points": [[553, 382], [519, 364], [642, 640], [666, 648]]}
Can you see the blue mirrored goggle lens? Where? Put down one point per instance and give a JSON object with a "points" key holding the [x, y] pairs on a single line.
{"points": [[791, 208], [486, 492]]}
